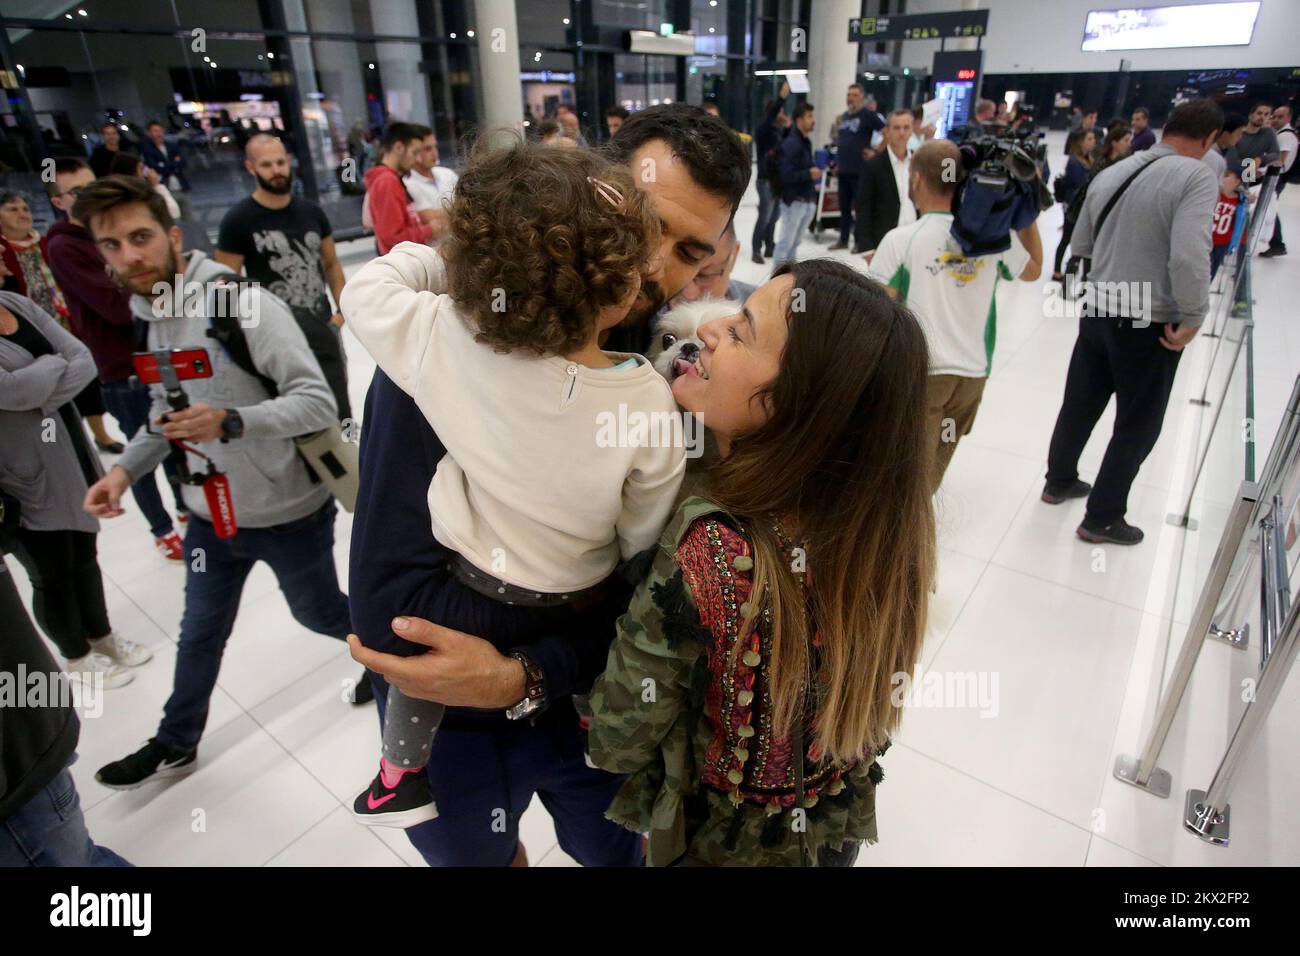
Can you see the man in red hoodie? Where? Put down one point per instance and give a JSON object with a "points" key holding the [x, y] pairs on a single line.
{"points": [[389, 209], [101, 317]]}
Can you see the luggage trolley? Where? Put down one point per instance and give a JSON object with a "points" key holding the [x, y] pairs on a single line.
{"points": [[828, 196]]}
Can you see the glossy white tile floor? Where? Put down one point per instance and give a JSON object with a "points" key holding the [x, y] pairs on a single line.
{"points": [[1079, 654]]}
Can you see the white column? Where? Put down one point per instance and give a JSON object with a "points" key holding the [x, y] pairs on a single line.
{"points": [[406, 90], [337, 60], [832, 61], [497, 33]]}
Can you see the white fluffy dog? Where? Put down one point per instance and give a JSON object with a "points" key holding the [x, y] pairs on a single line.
{"points": [[674, 346]]}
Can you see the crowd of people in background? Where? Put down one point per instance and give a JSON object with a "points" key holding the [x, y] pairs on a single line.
{"points": [[80, 302]]}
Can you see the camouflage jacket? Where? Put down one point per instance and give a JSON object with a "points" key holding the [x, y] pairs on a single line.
{"points": [[689, 721]]}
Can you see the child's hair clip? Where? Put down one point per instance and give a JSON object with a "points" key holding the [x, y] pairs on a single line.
{"points": [[614, 197]]}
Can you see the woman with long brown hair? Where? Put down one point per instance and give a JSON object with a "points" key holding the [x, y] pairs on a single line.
{"points": [[748, 691], [1112, 149]]}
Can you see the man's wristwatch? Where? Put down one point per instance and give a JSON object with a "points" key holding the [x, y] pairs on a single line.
{"points": [[535, 688], [232, 426]]}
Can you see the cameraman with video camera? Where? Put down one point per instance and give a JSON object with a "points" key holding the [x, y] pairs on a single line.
{"points": [[953, 295], [263, 391]]}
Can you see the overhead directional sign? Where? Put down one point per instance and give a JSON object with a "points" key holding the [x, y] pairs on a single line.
{"points": [[920, 26]]}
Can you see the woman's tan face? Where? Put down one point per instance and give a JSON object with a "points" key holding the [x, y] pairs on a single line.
{"points": [[740, 357], [16, 218]]}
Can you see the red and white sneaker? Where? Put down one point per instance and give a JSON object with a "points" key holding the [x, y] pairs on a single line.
{"points": [[169, 546], [182, 517]]}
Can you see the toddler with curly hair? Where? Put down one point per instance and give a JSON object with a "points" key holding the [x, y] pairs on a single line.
{"points": [[536, 505]]}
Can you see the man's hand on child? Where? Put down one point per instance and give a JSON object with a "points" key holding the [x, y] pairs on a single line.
{"points": [[459, 670]]}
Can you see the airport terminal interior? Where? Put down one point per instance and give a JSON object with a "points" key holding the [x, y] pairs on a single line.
{"points": [[1055, 662]]}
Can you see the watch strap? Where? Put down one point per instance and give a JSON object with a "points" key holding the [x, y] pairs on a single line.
{"points": [[534, 686]]}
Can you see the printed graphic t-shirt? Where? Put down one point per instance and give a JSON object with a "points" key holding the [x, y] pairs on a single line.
{"points": [[1225, 211], [281, 250], [953, 296]]}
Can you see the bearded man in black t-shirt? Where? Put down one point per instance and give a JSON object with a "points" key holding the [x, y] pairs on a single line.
{"points": [[284, 243]]}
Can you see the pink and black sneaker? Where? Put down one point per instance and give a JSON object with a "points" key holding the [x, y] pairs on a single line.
{"points": [[405, 805]]}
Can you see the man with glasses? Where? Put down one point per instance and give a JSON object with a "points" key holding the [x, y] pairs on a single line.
{"points": [[100, 315]]}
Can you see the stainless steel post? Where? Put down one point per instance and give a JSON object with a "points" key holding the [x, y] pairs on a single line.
{"points": [[1142, 771], [1207, 812]]}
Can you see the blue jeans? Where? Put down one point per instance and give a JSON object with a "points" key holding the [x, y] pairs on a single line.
{"points": [[484, 775], [301, 553], [50, 830], [795, 217], [130, 406], [769, 210]]}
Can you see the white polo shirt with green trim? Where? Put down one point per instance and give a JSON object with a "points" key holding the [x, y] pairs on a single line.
{"points": [[953, 296]]}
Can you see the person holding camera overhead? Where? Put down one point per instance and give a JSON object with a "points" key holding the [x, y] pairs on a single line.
{"points": [[266, 387], [952, 295]]}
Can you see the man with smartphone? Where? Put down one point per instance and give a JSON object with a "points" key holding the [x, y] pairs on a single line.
{"points": [[241, 421]]}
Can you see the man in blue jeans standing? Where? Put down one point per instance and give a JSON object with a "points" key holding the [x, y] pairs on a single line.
{"points": [[511, 730], [799, 178], [241, 422], [853, 138], [41, 823]]}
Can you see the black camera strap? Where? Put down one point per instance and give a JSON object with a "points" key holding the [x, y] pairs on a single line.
{"points": [[1083, 264], [1114, 198]]}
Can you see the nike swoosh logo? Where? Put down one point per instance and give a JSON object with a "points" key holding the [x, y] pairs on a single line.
{"points": [[374, 804], [170, 764]]}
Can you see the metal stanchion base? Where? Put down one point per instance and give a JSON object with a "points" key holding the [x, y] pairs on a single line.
{"points": [[1210, 335], [1182, 521], [1126, 769], [1209, 824], [1233, 637], [1199, 401]]}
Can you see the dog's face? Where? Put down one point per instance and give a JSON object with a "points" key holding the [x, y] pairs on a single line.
{"points": [[675, 345]]}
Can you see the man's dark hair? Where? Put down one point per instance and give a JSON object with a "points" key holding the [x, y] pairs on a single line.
{"points": [[1143, 110], [154, 122], [1258, 103], [1089, 111], [106, 124], [110, 192], [802, 110], [421, 131], [713, 155], [617, 111], [65, 165], [1195, 119], [1233, 122], [125, 163], [397, 132], [859, 87]]}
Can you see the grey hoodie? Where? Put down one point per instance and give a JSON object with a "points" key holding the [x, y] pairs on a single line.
{"points": [[269, 482]]}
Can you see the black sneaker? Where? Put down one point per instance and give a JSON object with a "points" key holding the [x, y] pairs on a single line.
{"points": [[1076, 489], [757, 259], [110, 447], [1272, 252], [838, 246], [1117, 532], [405, 805], [364, 691], [153, 761]]}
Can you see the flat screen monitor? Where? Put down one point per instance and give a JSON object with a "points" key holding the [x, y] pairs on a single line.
{"points": [[1164, 28]]}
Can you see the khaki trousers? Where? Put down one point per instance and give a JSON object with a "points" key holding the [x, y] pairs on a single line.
{"points": [[950, 405]]}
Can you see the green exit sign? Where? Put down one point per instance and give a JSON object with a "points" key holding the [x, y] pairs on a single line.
{"points": [[665, 29]]}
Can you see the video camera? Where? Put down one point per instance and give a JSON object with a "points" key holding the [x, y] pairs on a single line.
{"points": [[170, 367], [1003, 189]]}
